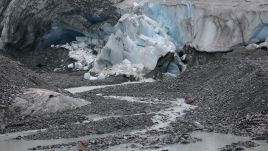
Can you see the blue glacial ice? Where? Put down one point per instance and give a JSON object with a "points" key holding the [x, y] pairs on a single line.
{"points": [[138, 39], [151, 29]]}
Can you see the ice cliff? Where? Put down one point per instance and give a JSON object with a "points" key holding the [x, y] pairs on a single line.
{"points": [[139, 39], [149, 29], [208, 25]]}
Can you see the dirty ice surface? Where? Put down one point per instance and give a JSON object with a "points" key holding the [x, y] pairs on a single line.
{"points": [[39, 101]]}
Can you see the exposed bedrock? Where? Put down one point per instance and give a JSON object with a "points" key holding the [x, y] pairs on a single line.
{"points": [[29, 25], [152, 28]]}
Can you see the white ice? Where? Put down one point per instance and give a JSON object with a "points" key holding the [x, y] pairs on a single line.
{"points": [[151, 28], [79, 50], [140, 40]]}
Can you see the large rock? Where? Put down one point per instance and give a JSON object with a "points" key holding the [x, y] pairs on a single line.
{"points": [[41, 101]]}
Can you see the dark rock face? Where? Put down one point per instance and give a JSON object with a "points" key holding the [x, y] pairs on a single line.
{"points": [[47, 59], [3, 6], [28, 25]]}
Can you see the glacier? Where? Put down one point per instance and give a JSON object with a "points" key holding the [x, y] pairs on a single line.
{"points": [[138, 39], [206, 25], [149, 29]]}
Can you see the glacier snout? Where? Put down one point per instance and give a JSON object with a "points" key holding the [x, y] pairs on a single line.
{"points": [[138, 39], [151, 29]]}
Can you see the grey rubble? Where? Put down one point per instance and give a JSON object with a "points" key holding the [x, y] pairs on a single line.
{"points": [[229, 90]]}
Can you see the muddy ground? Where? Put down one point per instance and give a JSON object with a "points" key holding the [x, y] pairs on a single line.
{"points": [[230, 92]]}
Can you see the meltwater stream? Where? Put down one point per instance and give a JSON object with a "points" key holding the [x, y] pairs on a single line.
{"points": [[210, 142], [9, 143]]}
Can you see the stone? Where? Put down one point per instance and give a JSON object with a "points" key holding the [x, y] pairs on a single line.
{"points": [[189, 100]]}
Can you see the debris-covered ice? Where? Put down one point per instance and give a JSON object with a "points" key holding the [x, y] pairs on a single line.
{"points": [[39, 101]]}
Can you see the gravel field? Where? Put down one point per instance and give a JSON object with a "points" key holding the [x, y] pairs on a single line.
{"points": [[230, 95]]}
